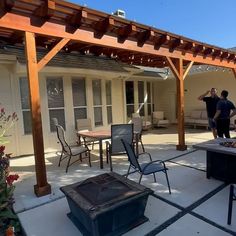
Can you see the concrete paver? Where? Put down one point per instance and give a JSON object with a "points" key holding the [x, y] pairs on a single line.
{"points": [[187, 179]]}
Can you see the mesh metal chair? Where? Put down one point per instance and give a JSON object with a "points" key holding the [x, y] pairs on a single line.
{"points": [[232, 197], [84, 125], [138, 123], [115, 147], [69, 152], [148, 168]]}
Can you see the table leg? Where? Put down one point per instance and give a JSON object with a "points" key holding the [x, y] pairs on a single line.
{"points": [[136, 143], [101, 153], [79, 139], [208, 165]]}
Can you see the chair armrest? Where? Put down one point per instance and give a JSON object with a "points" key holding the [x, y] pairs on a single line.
{"points": [[150, 163], [145, 154]]}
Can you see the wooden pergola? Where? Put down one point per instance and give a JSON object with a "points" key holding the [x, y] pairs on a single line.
{"points": [[58, 25]]}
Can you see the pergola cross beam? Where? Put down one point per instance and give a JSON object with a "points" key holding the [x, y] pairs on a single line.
{"points": [[18, 22], [98, 31], [52, 53], [187, 69], [234, 72]]}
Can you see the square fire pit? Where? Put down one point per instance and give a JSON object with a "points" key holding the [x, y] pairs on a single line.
{"points": [[107, 204]]}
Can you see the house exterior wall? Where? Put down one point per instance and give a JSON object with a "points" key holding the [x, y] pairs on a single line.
{"points": [[10, 97], [50, 139], [163, 98], [7, 101], [195, 85]]}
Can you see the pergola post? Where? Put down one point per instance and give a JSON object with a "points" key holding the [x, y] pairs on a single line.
{"points": [[234, 72], [180, 108], [42, 187], [177, 68]]}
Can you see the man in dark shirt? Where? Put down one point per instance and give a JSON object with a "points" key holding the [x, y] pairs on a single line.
{"points": [[211, 102], [222, 116]]}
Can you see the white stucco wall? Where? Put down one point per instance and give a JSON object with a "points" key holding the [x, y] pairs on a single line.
{"points": [[7, 101], [195, 85]]}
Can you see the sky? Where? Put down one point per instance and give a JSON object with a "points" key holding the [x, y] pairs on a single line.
{"points": [[208, 21]]}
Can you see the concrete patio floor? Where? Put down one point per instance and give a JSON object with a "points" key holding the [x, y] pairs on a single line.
{"points": [[197, 205]]}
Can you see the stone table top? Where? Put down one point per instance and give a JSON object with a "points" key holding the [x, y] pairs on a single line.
{"points": [[214, 146]]}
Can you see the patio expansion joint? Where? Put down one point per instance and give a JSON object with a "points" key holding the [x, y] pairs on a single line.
{"points": [[212, 223], [186, 153], [168, 202], [195, 168], [42, 204], [189, 210]]}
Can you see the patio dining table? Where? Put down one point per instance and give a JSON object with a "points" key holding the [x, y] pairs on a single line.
{"points": [[101, 135]]}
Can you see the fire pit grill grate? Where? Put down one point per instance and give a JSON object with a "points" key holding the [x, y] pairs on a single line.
{"points": [[102, 190]]}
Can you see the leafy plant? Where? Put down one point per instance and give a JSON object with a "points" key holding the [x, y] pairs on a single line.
{"points": [[6, 123], [7, 216]]}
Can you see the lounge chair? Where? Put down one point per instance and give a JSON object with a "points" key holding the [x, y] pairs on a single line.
{"points": [[158, 119]]}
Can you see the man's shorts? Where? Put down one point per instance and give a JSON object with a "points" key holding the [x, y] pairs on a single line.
{"points": [[211, 123]]}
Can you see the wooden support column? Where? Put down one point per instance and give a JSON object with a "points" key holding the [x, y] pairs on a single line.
{"points": [[180, 101], [42, 187], [234, 72], [177, 69]]}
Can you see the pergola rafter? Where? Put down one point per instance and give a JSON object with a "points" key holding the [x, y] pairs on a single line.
{"points": [[56, 24]]}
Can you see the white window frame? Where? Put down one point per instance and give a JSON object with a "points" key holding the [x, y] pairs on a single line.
{"points": [[100, 105], [130, 104], [55, 108], [151, 102], [23, 109], [109, 105], [80, 107], [143, 103]]}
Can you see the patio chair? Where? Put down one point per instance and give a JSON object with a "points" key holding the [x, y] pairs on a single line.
{"points": [[146, 168], [158, 119], [232, 197], [146, 125], [137, 122], [71, 152], [85, 125], [115, 146], [55, 121]]}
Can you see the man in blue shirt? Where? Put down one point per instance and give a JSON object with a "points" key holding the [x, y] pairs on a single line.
{"points": [[222, 116]]}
